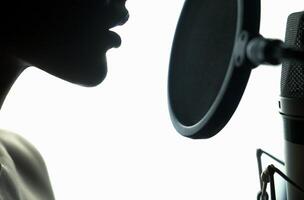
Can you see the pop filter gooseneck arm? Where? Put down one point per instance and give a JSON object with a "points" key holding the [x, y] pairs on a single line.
{"points": [[260, 50]]}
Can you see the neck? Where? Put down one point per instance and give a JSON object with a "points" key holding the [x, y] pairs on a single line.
{"points": [[10, 69]]}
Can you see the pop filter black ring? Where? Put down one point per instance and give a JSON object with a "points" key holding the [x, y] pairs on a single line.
{"points": [[235, 81]]}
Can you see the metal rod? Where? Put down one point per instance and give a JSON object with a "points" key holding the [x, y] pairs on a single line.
{"points": [[259, 154]]}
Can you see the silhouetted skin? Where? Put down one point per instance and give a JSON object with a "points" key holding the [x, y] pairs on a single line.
{"points": [[67, 38]]}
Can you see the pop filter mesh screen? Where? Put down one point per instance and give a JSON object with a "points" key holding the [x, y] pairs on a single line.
{"points": [[201, 56]]}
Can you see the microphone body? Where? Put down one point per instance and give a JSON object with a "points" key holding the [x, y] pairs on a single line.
{"points": [[292, 107], [294, 155]]}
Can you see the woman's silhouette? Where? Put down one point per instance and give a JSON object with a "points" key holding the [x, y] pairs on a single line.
{"points": [[68, 39]]}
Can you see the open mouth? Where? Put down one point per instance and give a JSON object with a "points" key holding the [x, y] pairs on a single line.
{"points": [[113, 35], [120, 17]]}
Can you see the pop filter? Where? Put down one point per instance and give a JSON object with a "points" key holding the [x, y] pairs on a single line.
{"points": [[205, 85]]}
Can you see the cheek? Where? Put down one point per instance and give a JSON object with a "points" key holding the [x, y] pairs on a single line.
{"points": [[70, 47], [80, 61]]}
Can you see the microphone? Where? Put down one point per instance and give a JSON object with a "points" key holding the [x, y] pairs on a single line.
{"points": [[291, 107]]}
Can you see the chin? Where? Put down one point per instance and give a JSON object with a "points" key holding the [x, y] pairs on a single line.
{"points": [[94, 74], [93, 80], [88, 78], [84, 72]]}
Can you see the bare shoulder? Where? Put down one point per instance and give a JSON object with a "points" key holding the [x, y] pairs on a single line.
{"points": [[23, 168]]}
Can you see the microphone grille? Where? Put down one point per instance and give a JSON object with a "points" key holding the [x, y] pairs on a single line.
{"points": [[292, 80]]}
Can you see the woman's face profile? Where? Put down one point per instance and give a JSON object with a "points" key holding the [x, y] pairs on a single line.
{"points": [[68, 39]]}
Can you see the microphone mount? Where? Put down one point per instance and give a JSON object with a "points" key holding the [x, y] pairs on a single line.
{"points": [[255, 51], [268, 177]]}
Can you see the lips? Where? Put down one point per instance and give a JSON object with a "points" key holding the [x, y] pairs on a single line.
{"points": [[114, 37], [124, 18], [118, 18]]}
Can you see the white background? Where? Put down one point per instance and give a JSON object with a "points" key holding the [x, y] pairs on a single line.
{"points": [[116, 141]]}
